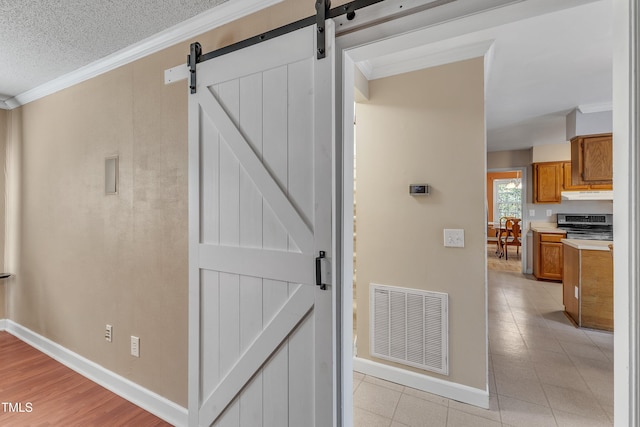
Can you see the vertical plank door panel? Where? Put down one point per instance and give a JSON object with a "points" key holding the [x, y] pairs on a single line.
{"points": [[260, 164]]}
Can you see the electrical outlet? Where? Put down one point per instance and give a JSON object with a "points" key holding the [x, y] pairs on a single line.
{"points": [[108, 333], [549, 212], [454, 238], [532, 212], [135, 346]]}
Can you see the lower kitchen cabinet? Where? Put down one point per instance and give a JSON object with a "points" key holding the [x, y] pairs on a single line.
{"points": [[547, 256], [587, 286]]}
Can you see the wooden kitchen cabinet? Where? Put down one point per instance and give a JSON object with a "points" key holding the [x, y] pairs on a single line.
{"points": [[568, 185], [571, 281], [567, 180], [608, 186], [547, 182], [592, 160], [587, 287], [547, 256], [551, 178]]}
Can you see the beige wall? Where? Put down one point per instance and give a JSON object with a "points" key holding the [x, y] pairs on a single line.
{"points": [[551, 152], [86, 259], [509, 159], [426, 127]]}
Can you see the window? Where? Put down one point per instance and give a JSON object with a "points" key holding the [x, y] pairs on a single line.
{"points": [[507, 198]]}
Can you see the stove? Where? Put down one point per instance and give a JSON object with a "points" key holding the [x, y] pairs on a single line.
{"points": [[587, 226]]}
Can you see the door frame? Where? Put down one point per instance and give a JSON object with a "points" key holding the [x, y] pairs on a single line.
{"points": [[626, 196], [364, 49], [626, 101], [525, 214]]}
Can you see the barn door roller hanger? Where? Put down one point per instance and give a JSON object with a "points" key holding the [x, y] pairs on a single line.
{"points": [[323, 12]]}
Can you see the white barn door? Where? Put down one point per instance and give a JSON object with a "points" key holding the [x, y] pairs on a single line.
{"points": [[260, 182]]}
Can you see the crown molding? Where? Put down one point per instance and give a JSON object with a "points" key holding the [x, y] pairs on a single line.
{"points": [[595, 108], [199, 24], [427, 56], [3, 98]]}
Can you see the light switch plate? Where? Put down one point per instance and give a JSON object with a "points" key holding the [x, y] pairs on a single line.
{"points": [[532, 212], [454, 238]]}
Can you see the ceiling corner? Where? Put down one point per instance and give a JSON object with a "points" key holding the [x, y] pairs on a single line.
{"points": [[222, 14]]}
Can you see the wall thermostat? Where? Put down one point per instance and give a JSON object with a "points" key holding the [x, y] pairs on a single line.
{"points": [[419, 189]]}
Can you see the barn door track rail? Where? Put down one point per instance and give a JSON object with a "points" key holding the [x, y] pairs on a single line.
{"points": [[323, 12]]}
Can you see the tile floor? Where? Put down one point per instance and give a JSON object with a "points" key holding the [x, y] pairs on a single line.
{"points": [[542, 370]]}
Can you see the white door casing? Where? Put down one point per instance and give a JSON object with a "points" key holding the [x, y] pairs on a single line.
{"points": [[260, 204]]}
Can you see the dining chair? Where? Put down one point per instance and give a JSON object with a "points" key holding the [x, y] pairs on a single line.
{"points": [[502, 229], [511, 236]]}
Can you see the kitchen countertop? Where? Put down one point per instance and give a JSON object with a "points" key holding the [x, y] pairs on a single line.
{"points": [[548, 229], [590, 245]]}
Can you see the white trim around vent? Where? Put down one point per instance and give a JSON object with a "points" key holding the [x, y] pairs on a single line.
{"points": [[448, 389], [409, 326], [127, 389]]}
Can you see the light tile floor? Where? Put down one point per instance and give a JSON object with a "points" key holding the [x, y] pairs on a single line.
{"points": [[542, 370]]}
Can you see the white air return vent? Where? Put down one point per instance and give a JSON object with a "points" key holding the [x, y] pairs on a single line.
{"points": [[409, 326]]}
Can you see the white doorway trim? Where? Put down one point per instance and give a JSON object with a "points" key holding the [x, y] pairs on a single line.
{"points": [[428, 383], [627, 175], [626, 160], [361, 52]]}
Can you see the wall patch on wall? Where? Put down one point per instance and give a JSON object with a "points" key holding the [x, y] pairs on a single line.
{"points": [[111, 175]]}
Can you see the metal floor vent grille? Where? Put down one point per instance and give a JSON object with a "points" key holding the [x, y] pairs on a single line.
{"points": [[410, 327]]}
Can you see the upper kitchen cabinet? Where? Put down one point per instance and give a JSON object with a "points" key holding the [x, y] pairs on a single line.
{"points": [[567, 181], [592, 160], [547, 182], [550, 179]]}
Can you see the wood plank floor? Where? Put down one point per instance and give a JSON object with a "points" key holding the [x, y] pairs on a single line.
{"points": [[514, 263], [36, 390]]}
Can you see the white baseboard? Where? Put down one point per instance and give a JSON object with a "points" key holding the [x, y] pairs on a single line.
{"points": [[450, 390], [127, 389]]}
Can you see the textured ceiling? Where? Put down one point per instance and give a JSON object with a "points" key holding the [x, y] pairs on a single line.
{"points": [[542, 67], [41, 40]]}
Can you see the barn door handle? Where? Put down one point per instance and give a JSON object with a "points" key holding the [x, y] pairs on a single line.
{"points": [[322, 255]]}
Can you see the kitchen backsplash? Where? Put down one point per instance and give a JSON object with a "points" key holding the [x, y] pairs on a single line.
{"points": [[567, 206]]}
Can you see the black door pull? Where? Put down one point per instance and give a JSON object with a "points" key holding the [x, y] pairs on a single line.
{"points": [[319, 259]]}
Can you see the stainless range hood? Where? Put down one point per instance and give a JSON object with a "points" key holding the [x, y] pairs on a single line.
{"points": [[587, 195]]}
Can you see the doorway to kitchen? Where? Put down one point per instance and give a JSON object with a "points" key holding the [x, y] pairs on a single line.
{"points": [[506, 222], [535, 333]]}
